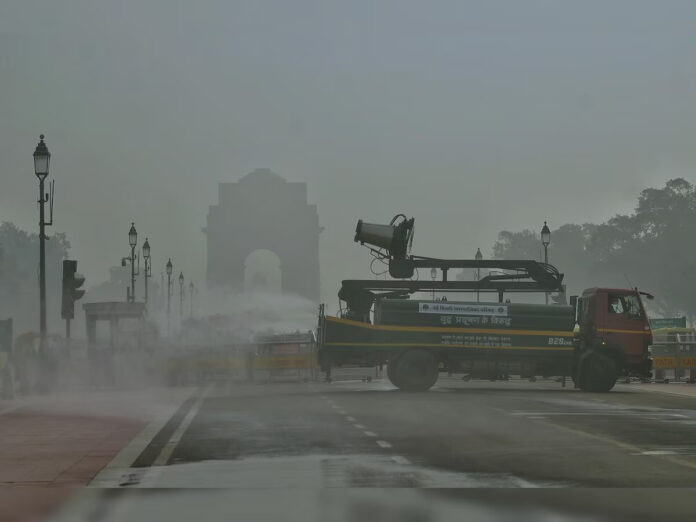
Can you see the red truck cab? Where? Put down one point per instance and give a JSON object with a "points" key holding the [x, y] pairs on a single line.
{"points": [[613, 322]]}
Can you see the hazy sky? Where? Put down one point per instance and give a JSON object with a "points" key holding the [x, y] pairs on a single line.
{"points": [[471, 116]]}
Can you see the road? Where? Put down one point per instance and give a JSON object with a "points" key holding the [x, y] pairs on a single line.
{"points": [[289, 436]]}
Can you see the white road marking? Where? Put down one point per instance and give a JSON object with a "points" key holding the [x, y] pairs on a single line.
{"points": [[370, 433], [597, 413], [400, 460], [121, 463], [658, 452], [359, 426], [522, 483], [173, 442], [383, 444], [350, 419], [343, 412]]}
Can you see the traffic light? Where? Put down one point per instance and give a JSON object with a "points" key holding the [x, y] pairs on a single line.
{"points": [[71, 292]]}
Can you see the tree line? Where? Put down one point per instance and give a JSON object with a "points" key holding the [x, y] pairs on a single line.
{"points": [[652, 248]]}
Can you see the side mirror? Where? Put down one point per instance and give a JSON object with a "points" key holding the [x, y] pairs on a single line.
{"points": [[574, 301]]}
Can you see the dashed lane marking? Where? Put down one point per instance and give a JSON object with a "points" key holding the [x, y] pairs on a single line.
{"points": [[359, 426], [400, 460], [370, 433], [383, 444], [350, 419]]}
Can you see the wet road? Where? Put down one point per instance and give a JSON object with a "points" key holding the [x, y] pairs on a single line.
{"points": [[479, 434], [270, 451]]}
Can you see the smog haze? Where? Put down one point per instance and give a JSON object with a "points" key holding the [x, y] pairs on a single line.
{"points": [[473, 117]]}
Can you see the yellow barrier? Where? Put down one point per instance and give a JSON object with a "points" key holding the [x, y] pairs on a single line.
{"points": [[299, 362], [664, 362], [687, 362]]}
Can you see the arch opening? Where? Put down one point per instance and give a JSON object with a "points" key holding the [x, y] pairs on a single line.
{"points": [[262, 272]]}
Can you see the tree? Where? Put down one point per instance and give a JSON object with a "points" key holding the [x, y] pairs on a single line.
{"points": [[567, 251], [517, 245], [19, 288], [651, 248]]}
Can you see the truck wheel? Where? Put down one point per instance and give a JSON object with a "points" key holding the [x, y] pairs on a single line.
{"points": [[597, 373], [391, 371], [416, 370]]}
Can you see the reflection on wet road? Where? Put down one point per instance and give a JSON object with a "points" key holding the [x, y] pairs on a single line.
{"points": [[285, 437]]}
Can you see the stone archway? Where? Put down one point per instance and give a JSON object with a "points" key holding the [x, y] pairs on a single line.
{"points": [[263, 211]]}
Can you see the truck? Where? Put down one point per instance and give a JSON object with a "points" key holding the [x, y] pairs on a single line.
{"points": [[593, 340]]}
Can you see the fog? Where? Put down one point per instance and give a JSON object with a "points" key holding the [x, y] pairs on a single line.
{"points": [[471, 116]]}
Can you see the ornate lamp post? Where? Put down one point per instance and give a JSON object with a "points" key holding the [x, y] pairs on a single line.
{"points": [[169, 292], [433, 276], [148, 264], [42, 160], [478, 257], [191, 289], [181, 295], [545, 240], [132, 242]]}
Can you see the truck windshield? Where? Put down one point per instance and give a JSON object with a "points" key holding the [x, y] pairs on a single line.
{"points": [[626, 304]]}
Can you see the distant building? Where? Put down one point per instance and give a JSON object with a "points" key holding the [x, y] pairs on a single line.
{"points": [[263, 211]]}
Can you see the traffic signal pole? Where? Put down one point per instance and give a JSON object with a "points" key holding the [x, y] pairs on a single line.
{"points": [[71, 292]]}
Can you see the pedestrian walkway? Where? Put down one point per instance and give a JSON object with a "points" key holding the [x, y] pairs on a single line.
{"points": [[49, 444]]}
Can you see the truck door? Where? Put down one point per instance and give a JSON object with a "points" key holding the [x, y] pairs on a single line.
{"points": [[625, 324]]}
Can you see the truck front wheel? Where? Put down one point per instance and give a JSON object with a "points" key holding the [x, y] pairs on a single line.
{"points": [[415, 370], [597, 373]]}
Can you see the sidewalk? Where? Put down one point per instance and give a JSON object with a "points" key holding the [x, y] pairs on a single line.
{"points": [[50, 444]]}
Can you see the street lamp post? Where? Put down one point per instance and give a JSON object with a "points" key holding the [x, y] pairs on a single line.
{"points": [[478, 257], [433, 276], [545, 240], [42, 160], [148, 265], [169, 293], [181, 295], [191, 288], [133, 241]]}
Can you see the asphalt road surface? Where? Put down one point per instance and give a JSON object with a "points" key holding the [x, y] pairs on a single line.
{"points": [[285, 437]]}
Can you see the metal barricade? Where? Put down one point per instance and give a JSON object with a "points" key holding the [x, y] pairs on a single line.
{"points": [[673, 354], [285, 357]]}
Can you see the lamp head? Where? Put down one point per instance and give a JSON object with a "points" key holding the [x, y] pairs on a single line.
{"points": [[42, 159]]}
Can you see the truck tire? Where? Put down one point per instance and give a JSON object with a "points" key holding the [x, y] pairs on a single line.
{"points": [[597, 373], [391, 371], [415, 370]]}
